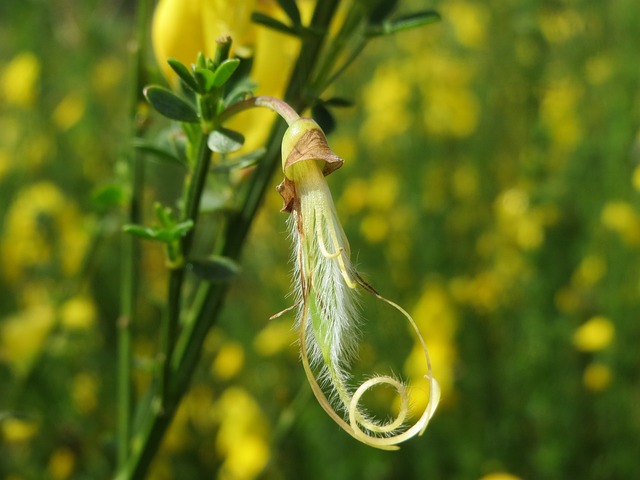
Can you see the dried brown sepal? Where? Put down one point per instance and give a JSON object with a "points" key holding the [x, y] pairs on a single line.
{"points": [[287, 190], [304, 140]]}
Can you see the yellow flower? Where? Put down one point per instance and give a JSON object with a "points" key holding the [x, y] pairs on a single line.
{"points": [[241, 437], [78, 313], [84, 393], [596, 377], [500, 476], [621, 217], [229, 361], [39, 223], [62, 463], [22, 337], [69, 111], [595, 334], [19, 80], [328, 312], [15, 430]]}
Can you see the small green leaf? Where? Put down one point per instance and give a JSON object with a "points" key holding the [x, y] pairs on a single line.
{"points": [[242, 161], [224, 140], [272, 23], [165, 235], [291, 9], [170, 105], [108, 196], [181, 229], [406, 22], [147, 233], [338, 102], [323, 116], [215, 269], [205, 78], [242, 89], [224, 71], [157, 151], [382, 10], [184, 74]]}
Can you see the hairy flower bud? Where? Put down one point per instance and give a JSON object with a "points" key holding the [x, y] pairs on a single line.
{"points": [[327, 285]]}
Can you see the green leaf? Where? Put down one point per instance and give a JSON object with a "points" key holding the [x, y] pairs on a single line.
{"points": [[323, 116], [147, 233], [382, 10], [158, 152], [170, 105], [108, 196], [241, 90], [272, 23], [291, 9], [165, 235], [406, 22], [181, 229], [184, 74], [215, 269], [205, 78], [224, 140], [339, 102], [242, 161], [224, 71]]}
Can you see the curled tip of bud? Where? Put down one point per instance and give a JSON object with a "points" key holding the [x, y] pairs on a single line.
{"points": [[305, 140]]}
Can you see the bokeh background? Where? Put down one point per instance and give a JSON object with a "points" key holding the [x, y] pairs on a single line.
{"points": [[491, 186]]}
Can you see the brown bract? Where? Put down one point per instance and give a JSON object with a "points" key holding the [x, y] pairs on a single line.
{"points": [[287, 190], [312, 145]]}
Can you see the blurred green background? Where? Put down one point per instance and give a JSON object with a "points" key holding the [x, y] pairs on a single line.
{"points": [[490, 187]]}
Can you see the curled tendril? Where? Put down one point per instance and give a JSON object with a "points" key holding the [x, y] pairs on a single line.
{"points": [[359, 425]]}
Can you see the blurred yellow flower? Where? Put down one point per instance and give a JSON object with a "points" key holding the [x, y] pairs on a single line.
{"points": [[16, 430], [451, 111], [229, 361], [434, 313], [19, 80], [22, 337], [635, 179], [78, 313], [61, 463], [500, 476], [107, 74], [590, 271], [595, 334], [385, 100], [375, 227], [69, 111], [4, 164], [469, 20], [241, 439], [275, 337], [84, 393], [621, 217], [596, 377], [41, 227], [560, 26], [559, 114]]}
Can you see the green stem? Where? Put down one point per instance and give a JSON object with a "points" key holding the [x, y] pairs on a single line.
{"points": [[129, 268], [169, 333], [280, 107]]}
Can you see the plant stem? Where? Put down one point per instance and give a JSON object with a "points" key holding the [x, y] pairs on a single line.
{"points": [[129, 267]]}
